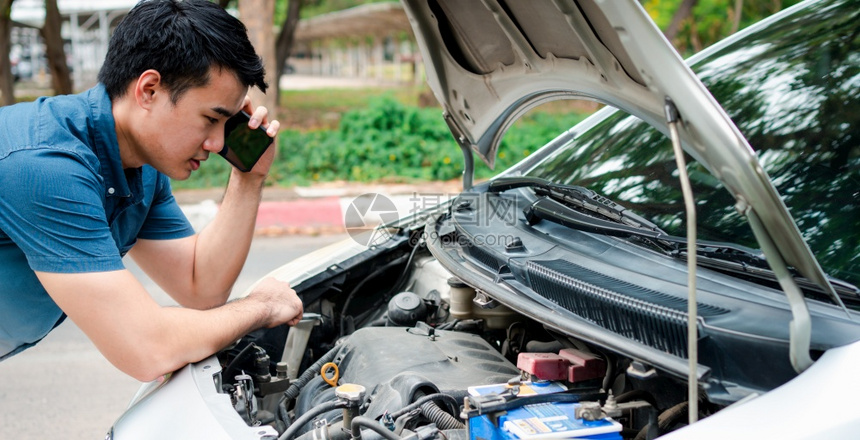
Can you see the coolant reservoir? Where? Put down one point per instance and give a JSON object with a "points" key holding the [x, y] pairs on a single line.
{"points": [[462, 306], [495, 315], [461, 299]]}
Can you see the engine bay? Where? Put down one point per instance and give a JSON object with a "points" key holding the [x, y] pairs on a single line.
{"points": [[413, 351], [410, 338]]}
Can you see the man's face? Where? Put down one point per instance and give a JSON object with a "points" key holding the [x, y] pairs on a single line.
{"points": [[182, 135]]}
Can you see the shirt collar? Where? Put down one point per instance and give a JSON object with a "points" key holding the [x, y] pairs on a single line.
{"points": [[118, 182]]}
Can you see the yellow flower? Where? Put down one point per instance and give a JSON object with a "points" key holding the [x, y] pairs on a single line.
{"points": [[446, 160], [526, 152], [502, 155], [392, 157], [316, 176]]}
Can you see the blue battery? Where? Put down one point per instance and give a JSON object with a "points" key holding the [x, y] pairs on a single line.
{"points": [[552, 420], [542, 421]]}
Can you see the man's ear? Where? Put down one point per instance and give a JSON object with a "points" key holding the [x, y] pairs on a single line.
{"points": [[148, 88]]}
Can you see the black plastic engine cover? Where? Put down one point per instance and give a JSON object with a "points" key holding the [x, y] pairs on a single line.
{"points": [[394, 363]]}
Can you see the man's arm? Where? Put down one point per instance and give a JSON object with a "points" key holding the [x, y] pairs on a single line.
{"points": [[146, 340], [200, 271]]}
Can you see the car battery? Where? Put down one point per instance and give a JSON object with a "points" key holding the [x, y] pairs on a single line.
{"points": [[499, 419]]}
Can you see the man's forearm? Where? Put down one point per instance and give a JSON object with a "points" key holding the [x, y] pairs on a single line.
{"points": [[188, 335], [146, 340], [195, 334], [222, 246], [183, 335]]}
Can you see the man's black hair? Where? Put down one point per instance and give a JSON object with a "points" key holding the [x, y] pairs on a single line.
{"points": [[182, 40]]}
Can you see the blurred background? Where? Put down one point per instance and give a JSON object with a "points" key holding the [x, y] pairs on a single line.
{"points": [[346, 80]]}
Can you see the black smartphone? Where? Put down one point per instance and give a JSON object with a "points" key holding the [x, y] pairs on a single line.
{"points": [[243, 146]]}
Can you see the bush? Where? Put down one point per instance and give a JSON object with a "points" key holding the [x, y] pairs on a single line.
{"points": [[388, 141]]}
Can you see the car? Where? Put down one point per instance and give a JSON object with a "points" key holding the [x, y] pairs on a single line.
{"points": [[682, 264]]}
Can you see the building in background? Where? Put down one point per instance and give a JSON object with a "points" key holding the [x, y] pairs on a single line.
{"points": [[370, 42], [87, 26]]}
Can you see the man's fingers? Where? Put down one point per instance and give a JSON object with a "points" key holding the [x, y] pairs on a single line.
{"points": [[273, 128], [258, 117]]}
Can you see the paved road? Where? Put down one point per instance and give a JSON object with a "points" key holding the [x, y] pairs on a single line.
{"points": [[63, 388]]}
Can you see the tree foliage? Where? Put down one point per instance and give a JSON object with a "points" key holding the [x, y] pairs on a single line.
{"points": [[692, 25]]}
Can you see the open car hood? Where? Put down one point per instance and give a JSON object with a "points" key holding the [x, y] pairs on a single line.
{"points": [[489, 62]]}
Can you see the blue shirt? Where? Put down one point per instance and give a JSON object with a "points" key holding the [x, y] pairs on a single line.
{"points": [[68, 206]]}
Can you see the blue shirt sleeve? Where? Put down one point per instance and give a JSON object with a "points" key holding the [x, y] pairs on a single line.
{"points": [[55, 214]]}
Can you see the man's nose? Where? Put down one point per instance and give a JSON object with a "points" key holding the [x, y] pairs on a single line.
{"points": [[215, 142]]}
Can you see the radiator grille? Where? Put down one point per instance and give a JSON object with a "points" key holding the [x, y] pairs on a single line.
{"points": [[644, 315], [484, 257]]}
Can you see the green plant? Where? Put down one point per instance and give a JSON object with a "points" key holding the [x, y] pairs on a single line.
{"points": [[393, 142]]}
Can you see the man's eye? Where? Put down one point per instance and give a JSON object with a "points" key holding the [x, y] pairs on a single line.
{"points": [[212, 120]]}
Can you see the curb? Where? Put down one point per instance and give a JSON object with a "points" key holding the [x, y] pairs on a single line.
{"points": [[319, 210], [274, 218]]}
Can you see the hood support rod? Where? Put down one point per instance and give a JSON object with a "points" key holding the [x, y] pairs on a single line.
{"points": [[466, 147], [673, 119], [800, 327], [468, 166]]}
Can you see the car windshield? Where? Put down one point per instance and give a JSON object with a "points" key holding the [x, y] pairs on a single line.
{"points": [[793, 89]]}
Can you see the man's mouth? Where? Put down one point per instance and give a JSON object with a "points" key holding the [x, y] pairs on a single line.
{"points": [[195, 164]]}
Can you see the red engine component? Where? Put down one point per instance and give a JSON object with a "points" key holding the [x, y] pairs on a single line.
{"points": [[583, 366], [569, 364]]}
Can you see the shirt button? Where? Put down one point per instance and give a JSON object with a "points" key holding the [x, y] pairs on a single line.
{"points": [[111, 190]]}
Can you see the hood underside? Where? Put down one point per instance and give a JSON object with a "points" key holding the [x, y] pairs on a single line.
{"points": [[489, 62]]}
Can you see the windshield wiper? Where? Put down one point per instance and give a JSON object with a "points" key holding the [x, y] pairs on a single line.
{"points": [[576, 206], [755, 266], [550, 210], [729, 257], [576, 197]]}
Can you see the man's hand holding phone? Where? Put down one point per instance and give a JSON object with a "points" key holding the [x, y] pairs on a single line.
{"points": [[246, 141]]}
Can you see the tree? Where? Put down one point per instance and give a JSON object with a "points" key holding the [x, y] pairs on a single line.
{"points": [[284, 43], [7, 88], [260, 22], [257, 16], [685, 9], [61, 79]]}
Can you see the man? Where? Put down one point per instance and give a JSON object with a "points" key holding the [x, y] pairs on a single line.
{"points": [[85, 179]]}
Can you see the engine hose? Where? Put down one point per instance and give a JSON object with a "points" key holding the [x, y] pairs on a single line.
{"points": [[366, 422], [422, 400], [308, 416], [296, 387], [238, 358], [282, 413], [666, 419], [637, 395], [442, 419]]}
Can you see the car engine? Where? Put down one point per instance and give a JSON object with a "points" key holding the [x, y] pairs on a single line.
{"points": [[410, 351]]}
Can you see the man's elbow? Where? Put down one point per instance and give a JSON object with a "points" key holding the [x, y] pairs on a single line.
{"points": [[145, 375], [147, 365], [203, 300]]}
